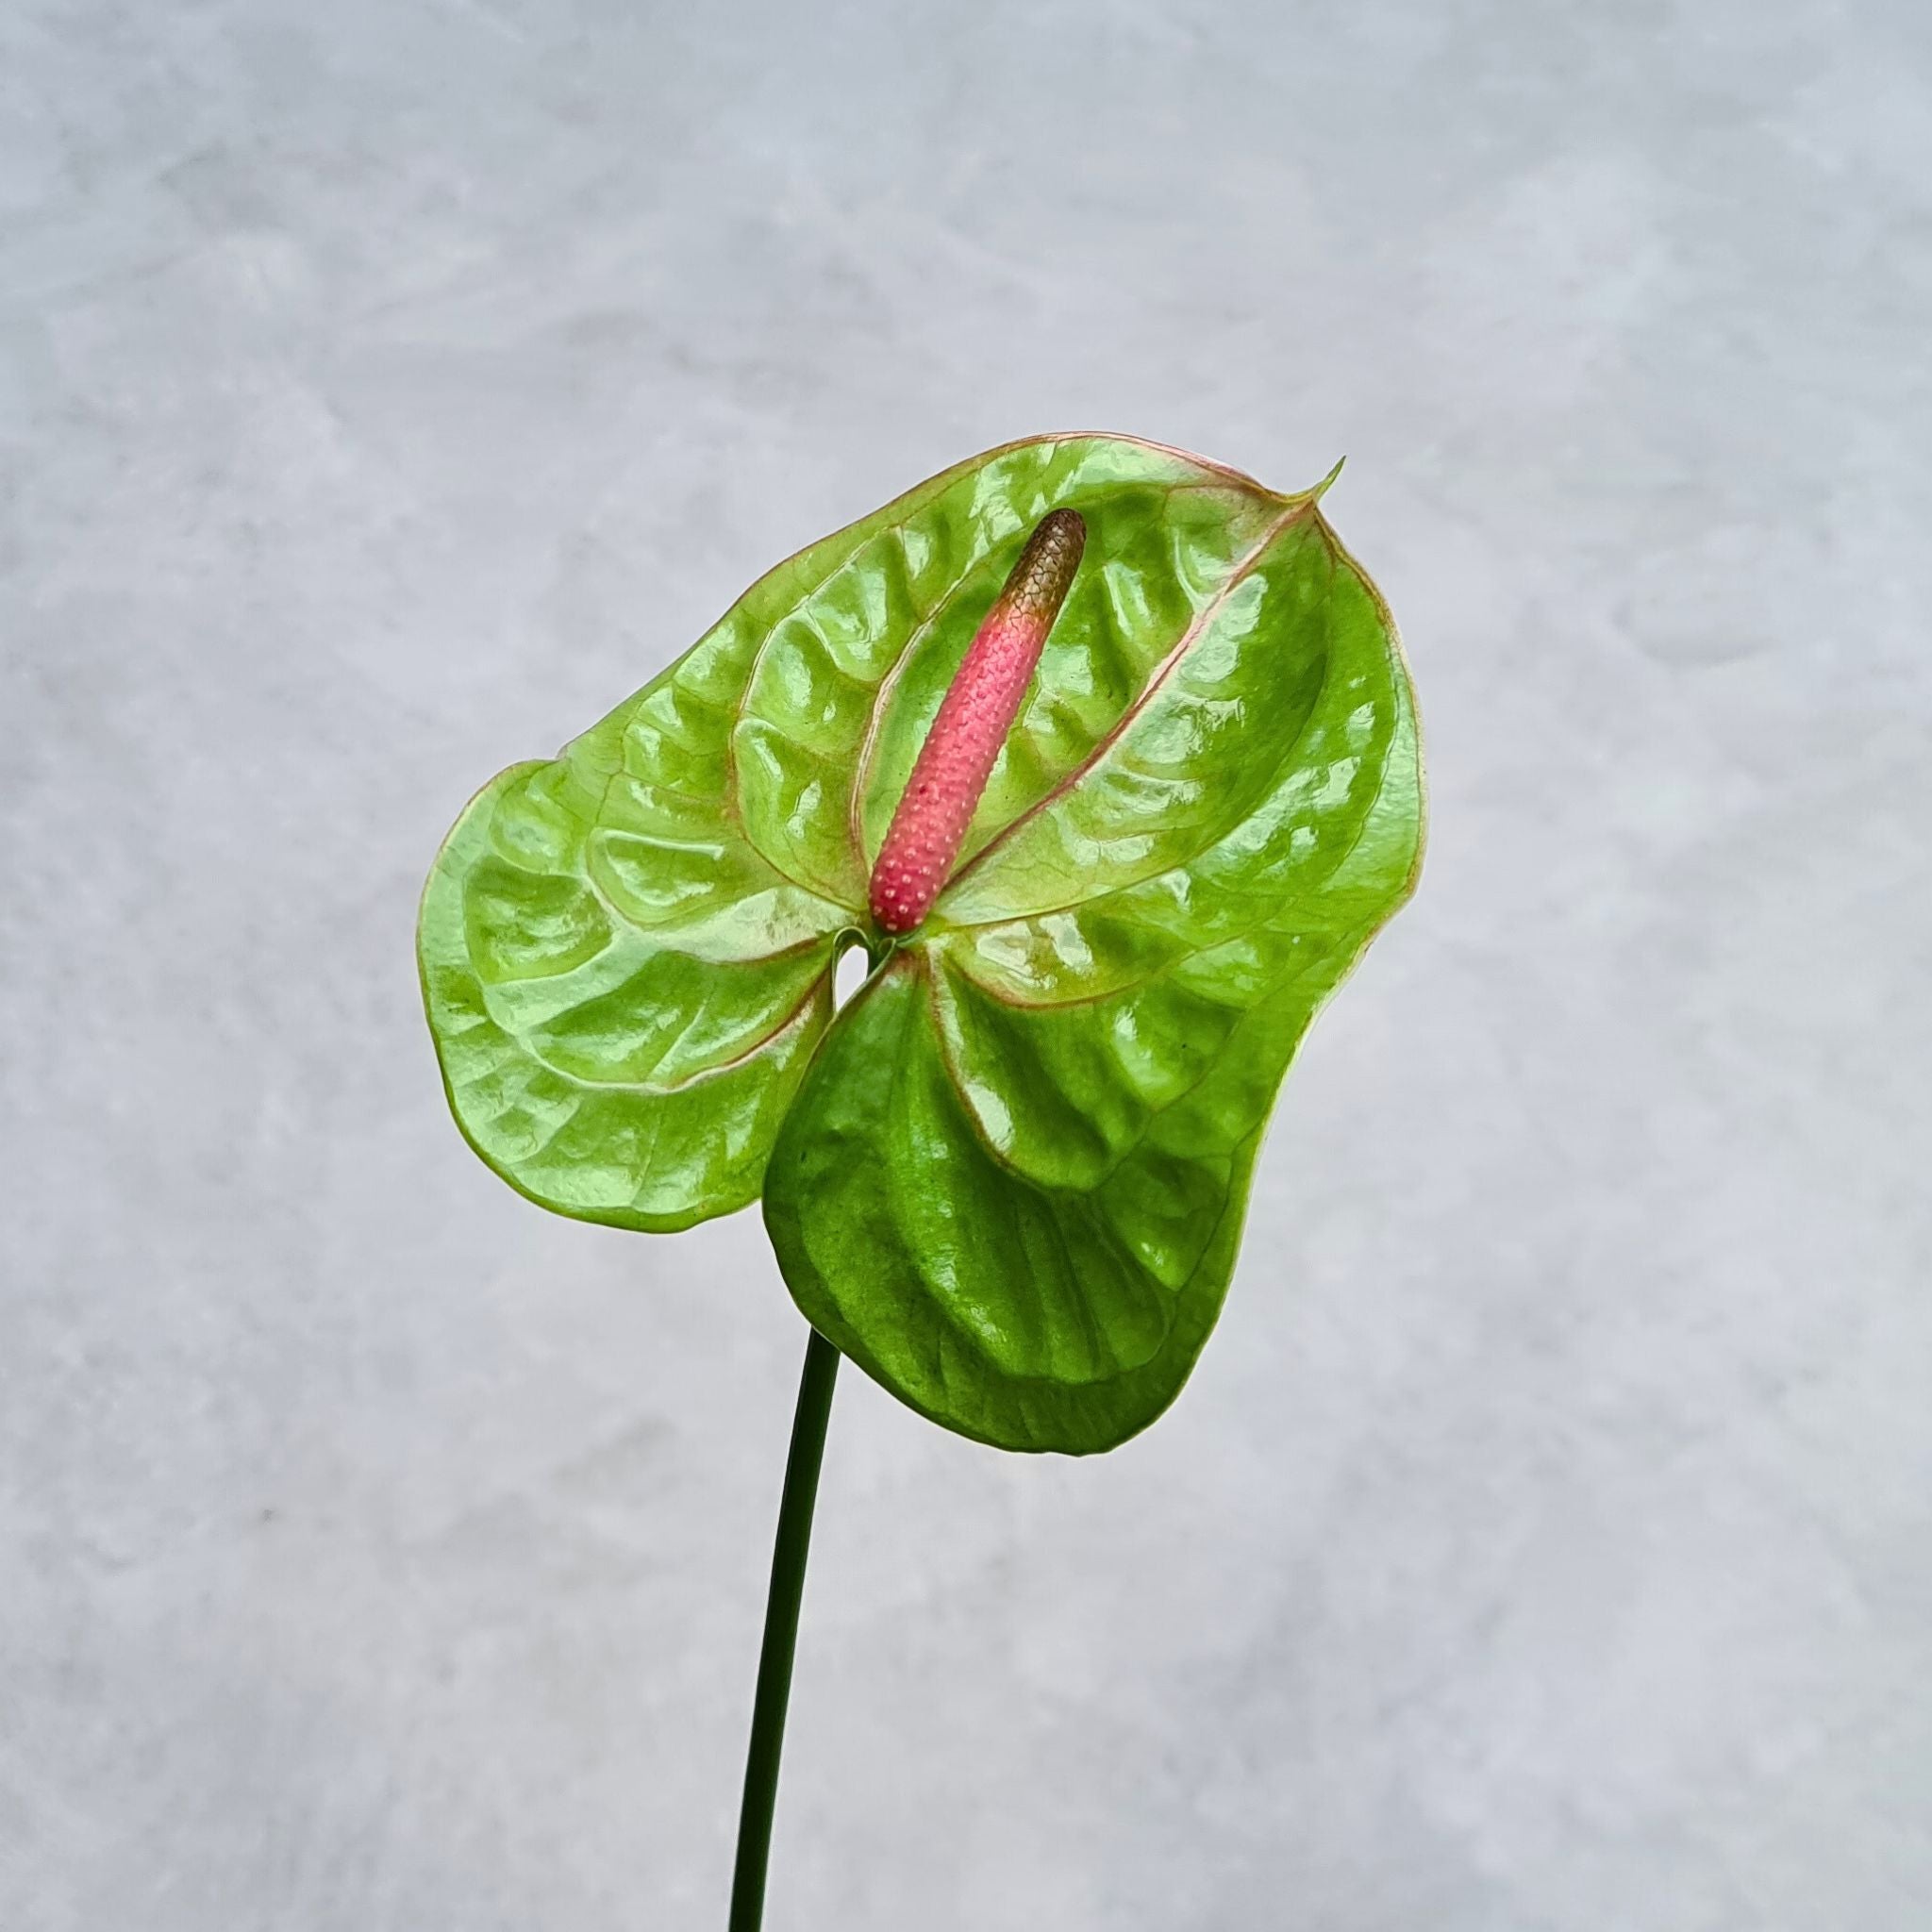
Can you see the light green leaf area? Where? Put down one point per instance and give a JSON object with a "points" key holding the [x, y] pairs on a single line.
{"points": [[1009, 1178]]}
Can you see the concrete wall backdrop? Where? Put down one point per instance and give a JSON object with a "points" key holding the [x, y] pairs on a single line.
{"points": [[1545, 1543]]}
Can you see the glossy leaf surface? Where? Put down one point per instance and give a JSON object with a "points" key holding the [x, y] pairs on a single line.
{"points": [[1009, 1178]]}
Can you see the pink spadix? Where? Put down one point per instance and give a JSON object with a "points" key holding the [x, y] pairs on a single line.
{"points": [[974, 716]]}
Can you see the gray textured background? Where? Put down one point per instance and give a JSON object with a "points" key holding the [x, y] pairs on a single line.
{"points": [[1545, 1543]]}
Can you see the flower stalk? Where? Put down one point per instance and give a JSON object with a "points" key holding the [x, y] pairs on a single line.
{"points": [[781, 1633]]}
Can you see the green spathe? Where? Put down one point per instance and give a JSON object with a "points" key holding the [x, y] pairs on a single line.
{"points": [[1008, 1177]]}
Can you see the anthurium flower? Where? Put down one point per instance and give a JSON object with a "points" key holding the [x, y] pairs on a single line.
{"points": [[1107, 756]]}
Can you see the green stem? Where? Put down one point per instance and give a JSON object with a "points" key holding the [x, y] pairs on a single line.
{"points": [[781, 1633]]}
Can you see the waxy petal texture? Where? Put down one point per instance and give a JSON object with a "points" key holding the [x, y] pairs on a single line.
{"points": [[1009, 1178]]}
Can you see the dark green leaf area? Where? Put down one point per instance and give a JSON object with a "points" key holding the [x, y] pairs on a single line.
{"points": [[1020, 1218], [920, 1252]]}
